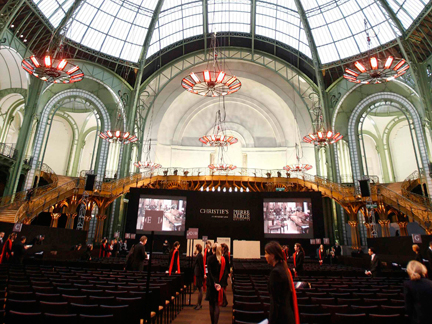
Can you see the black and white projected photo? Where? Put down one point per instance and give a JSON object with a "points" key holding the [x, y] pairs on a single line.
{"points": [[161, 214], [291, 216]]}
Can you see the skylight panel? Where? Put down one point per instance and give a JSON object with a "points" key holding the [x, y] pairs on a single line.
{"points": [[407, 10], [53, 10], [229, 15]]}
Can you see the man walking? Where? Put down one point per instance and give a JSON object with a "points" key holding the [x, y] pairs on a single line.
{"points": [[139, 255]]}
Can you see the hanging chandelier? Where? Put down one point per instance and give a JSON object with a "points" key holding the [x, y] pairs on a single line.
{"points": [[219, 137], [211, 82], [298, 167], [322, 136], [53, 67], [221, 167], [147, 165], [52, 70], [118, 135], [375, 70]]}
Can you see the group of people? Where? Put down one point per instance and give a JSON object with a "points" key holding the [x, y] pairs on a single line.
{"points": [[211, 271], [112, 248], [328, 256], [13, 249]]}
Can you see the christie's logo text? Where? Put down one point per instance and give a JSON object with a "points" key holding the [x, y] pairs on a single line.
{"points": [[215, 213], [241, 215]]}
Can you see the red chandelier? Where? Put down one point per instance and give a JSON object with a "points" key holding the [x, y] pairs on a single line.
{"points": [[211, 84], [52, 70], [118, 137], [375, 71], [322, 136], [297, 167], [147, 165], [218, 140], [221, 167]]}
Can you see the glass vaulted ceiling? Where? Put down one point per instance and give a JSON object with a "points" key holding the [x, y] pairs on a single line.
{"points": [[119, 27]]}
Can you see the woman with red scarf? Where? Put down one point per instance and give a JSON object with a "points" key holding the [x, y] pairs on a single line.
{"points": [[321, 255], [103, 249], [283, 298], [174, 266], [215, 277], [298, 259], [7, 249]]}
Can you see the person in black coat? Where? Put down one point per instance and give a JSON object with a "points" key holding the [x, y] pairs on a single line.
{"points": [[214, 264], [198, 267], [375, 269], [18, 250], [418, 256], [283, 300], [298, 259], [139, 255], [418, 294], [224, 284], [87, 254], [174, 259]]}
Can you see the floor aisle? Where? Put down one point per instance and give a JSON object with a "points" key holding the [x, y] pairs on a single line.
{"points": [[189, 315]]}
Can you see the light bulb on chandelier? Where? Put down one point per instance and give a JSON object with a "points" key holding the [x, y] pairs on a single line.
{"points": [[322, 136]]}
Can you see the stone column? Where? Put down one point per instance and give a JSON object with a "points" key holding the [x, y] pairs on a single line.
{"points": [[70, 220], [100, 218], [403, 228], [369, 228], [87, 220], [355, 237], [54, 219], [385, 227]]}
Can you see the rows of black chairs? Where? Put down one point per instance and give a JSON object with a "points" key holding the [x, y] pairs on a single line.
{"points": [[78, 294], [333, 299]]}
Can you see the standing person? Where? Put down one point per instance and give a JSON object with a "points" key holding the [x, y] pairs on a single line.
{"points": [[375, 269], [429, 257], [18, 250], [174, 266], [116, 248], [338, 249], [87, 254], [198, 267], [129, 260], [283, 298], [418, 294], [207, 252], [7, 249], [139, 254], [103, 248], [166, 248], [321, 255], [216, 272], [224, 284], [418, 257], [298, 258]]}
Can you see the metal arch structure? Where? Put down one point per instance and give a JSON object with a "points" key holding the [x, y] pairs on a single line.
{"points": [[406, 107]]}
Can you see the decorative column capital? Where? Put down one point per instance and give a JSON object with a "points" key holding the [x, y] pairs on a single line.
{"points": [[403, 224], [55, 215], [353, 223]]}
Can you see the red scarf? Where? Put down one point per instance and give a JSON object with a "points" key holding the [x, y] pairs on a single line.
{"points": [[285, 256], [294, 294], [5, 255], [320, 259], [221, 273], [229, 256], [204, 260], [294, 258], [102, 251], [172, 262]]}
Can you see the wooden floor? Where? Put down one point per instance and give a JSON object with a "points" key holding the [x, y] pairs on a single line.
{"points": [[189, 315]]}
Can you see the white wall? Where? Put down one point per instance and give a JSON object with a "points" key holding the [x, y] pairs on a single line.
{"points": [[59, 146], [404, 161]]}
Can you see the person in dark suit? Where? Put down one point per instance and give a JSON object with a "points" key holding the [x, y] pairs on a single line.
{"points": [[418, 256], [283, 299], [139, 255], [298, 259], [429, 257], [226, 255], [215, 276], [375, 269], [116, 248], [18, 250], [338, 250], [198, 267], [418, 294], [87, 254]]}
